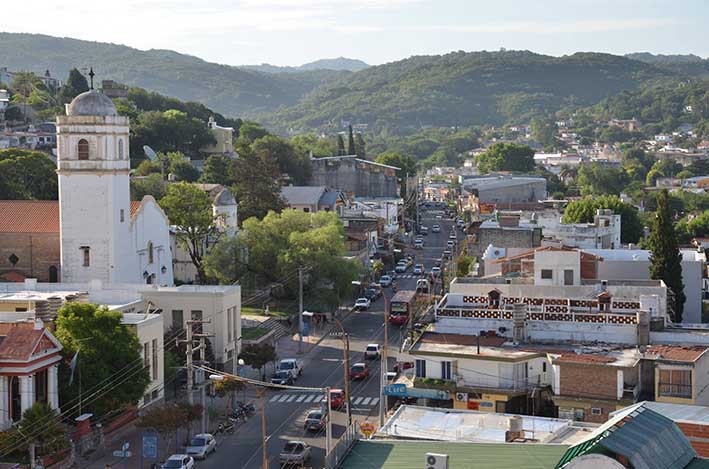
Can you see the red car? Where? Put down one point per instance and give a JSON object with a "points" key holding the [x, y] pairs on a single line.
{"points": [[359, 371], [337, 398]]}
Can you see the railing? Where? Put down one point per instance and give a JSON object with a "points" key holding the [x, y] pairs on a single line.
{"points": [[342, 447], [500, 382], [675, 390], [570, 316]]}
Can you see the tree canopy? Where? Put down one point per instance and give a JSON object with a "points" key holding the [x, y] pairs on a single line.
{"points": [[27, 174], [506, 157], [583, 211]]}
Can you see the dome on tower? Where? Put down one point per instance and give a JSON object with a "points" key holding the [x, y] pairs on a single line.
{"points": [[92, 103]]}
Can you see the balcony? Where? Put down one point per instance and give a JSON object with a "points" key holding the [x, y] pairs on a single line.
{"points": [[682, 391], [432, 383]]}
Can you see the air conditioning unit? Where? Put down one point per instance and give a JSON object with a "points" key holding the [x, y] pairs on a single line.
{"points": [[436, 461], [461, 396]]}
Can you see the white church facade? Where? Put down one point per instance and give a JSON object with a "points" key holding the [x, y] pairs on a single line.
{"points": [[103, 235]]}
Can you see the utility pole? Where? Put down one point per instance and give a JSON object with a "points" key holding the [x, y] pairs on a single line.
{"points": [[300, 309], [261, 393], [190, 376], [202, 385], [347, 379], [189, 350], [383, 401], [328, 437]]}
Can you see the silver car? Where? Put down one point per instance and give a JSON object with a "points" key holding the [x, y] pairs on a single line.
{"points": [[201, 445]]}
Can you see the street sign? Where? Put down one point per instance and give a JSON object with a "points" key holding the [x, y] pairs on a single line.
{"points": [[150, 446], [401, 390], [367, 428], [119, 453]]}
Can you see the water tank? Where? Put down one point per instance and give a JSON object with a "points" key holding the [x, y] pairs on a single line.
{"points": [[516, 424]]}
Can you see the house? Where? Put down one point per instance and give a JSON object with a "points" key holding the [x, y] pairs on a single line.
{"points": [[629, 125], [507, 232], [602, 233], [680, 373], [148, 327], [354, 176], [29, 359], [384, 209], [505, 189], [311, 199], [114, 90], [223, 140], [697, 182]]}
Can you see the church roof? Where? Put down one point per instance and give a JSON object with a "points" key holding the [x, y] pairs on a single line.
{"points": [[92, 103], [224, 198], [35, 216]]}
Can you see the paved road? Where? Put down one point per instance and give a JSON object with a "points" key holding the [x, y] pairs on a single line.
{"points": [[286, 410]]}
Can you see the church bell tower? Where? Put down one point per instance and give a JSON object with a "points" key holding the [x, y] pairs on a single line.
{"points": [[94, 192]]}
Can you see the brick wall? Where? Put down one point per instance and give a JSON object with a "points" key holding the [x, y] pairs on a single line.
{"points": [[698, 436], [589, 381], [36, 253]]}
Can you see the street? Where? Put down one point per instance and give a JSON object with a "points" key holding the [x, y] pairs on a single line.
{"points": [[323, 366]]}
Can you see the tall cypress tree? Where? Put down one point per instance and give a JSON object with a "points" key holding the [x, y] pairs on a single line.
{"points": [[340, 146], [74, 85], [665, 257], [350, 143]]}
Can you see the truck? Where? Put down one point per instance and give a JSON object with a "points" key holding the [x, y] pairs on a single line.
{"points": [[294, 366]]}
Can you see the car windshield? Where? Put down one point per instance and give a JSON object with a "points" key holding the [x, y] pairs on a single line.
{"points": [[173, 463], [198, 442], [315, 415], [281, 375], [292, 447], [287, 365], [357, 368], [372, 348]]}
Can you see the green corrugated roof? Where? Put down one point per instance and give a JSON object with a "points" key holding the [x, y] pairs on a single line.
{"points": [[395, 454]]}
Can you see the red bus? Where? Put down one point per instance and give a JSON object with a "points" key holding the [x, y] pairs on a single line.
{"points": [[401, 307]]}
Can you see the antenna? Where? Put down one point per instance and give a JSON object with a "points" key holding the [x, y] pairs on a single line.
{"points": [[149, 152]]}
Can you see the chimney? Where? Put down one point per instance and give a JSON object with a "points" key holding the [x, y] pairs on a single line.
{"points": [[516, 431]]}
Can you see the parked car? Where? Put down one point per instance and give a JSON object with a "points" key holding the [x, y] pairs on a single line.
{"points": [[438, 262], [385, 281], [201, 445], [359, 371], [424, 230], [295, 453], [362, 304], [436, 228], [452, 236], [451, 244], [179, 461], [391, 376], [419, 269], [315, 421], [460, 222], [418, 244], [401, 267], [446, 254], [422, 285], [373, 294], [435, 271], [373, 351], [292, 365], [282, 377], [337, 398]]}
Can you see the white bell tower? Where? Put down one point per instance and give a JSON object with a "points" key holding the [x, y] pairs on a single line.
{"points": [[94, 192]]}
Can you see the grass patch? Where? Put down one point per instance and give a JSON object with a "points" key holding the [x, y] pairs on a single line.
{"points": [[272, 312], [253, 333]]}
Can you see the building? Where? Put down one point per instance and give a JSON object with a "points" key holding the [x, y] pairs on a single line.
{"points": [[680, 373], [223, 140], [29, 360], [93, 167], [313, 198], [506, 189], [4, 103], [629, 125], [507, 232], [354, 176], [114, 90], [148, 327], [602, 233], [384, 209]]}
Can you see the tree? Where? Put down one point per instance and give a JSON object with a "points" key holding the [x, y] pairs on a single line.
{"points": [[190, 210], [41, 426], [183, 170], [167, 419], [228, 387], [75, 85], [258, 355], [665, 256], [305, 143], [27, 174], [169, 131], [249, 132], [360, 146], [110, 355], [150, 185], [543, 131], [583, 211], [297, 167], [257, 188], [506, 157], [350, 142], [340, 146], [595, 179], [405, 163], [224, 261], [217, 170]]}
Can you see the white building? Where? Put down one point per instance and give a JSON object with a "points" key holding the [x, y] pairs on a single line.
{"points": [[602, 233], [100, 240]]}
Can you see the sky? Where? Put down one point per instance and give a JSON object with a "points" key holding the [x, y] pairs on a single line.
{"points": [[292, 32]]}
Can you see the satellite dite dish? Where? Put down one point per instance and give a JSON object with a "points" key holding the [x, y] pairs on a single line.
{"points": [[149, 152]]}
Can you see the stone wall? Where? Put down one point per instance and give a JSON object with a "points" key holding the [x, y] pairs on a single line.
{"points": [[35, 252]]}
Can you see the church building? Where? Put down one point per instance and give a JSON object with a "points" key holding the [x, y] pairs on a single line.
{"points": [[102, 235]]}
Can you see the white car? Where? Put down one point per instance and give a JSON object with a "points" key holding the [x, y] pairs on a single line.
{"points": [[436, 228], [362, 303], [451, 243], [292, 365], [201, 445], [179, 461], [385, 281], [401, 267], [373, 351], [435, 271], [419, 269]]}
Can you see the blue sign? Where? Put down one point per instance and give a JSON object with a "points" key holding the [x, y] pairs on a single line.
{"points": [[306, 328], [150, 446], [401, 390]]}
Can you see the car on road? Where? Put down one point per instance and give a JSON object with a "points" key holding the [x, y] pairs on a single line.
{"points": [[419, 269], [451, 243], [402, 266], [446, 254], [452, 236], [438, 262], [422, 285], [436, 228], [373, 351], [282, 377], [373, 293], [295, 453], [359, 371], [435, 271], [460, 222], [418, 244], [337, 398], [292, 365], [362, 304], [391, 376], [315, 421], [439, 217], [201, 445], [385, 281], [179, 461], [424, 230]]}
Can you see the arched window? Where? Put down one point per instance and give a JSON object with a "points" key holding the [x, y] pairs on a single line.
{"points": [[120, 148], [150, 252], [83, 148], [53, 276]]}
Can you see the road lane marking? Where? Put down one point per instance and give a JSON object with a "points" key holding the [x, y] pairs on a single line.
{"points": [[357, 401], [374, 401], [291, 398], [275, 398], [366, 400], [310, 398], [283, 398], [300, 399]]}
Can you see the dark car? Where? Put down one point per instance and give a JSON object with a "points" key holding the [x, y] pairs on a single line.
{"points": [[315, 421], [372, 294], [282, 377], [359, 371]]}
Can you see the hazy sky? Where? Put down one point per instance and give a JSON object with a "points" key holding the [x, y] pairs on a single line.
{"points": [[291, 32]]}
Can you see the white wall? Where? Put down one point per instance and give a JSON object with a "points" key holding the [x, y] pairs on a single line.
{"points": [[151, 225], [557, 262]]}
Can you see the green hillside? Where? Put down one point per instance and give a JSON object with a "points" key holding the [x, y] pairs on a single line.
{"points": [[468, 88], [229, 90]]}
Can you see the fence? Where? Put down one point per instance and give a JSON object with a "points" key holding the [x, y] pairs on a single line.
{"points": [[342, 447]]}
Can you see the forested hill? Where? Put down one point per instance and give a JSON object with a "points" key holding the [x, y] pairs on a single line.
{"points": [[688, 64], [468, 88], [340, 63], [230, 90]]}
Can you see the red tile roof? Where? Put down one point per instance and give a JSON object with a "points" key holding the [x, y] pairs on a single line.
{"points": [[682, 353], [35, 216], [19, 340], [585, 359]]}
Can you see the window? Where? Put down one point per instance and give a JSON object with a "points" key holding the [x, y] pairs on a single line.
{"points": [[178, 319], [675, 383], [446, 370], [151, 256], [120, 149], [596, 411], [123, 215], [83, 149], [568, 277], [420, 368], [544, 367], [87, 255], [230, 324], [146, 355], [306, 209], [547, 274], [155, 359], [20, 309], [53, 274]]}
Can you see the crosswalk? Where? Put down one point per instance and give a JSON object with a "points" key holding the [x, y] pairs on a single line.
{"points": [[292, 398]]}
